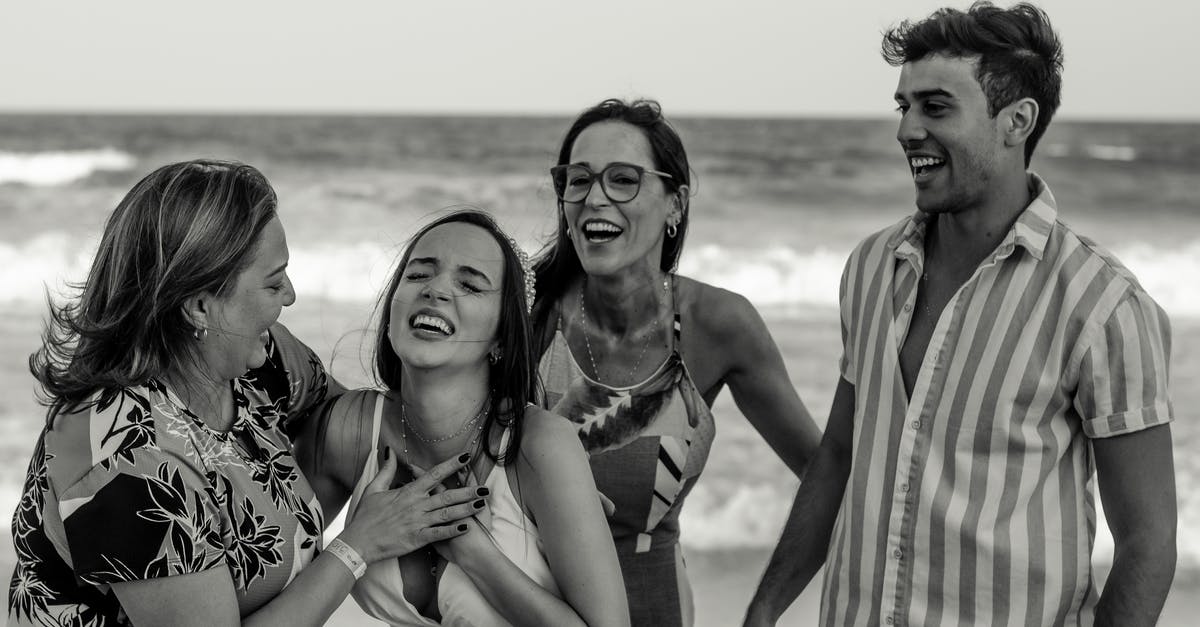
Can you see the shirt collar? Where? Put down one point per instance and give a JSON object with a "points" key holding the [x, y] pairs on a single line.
{"points": [[1030, 231]]}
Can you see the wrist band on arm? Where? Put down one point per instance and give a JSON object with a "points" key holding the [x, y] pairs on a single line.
{"points": [[348, 556]]}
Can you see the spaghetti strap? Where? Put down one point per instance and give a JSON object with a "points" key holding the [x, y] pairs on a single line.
{"points": [[676, 320], [376, 420]]}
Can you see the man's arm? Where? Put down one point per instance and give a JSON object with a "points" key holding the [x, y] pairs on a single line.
{"points": [[802, 548], [1137, 487]]}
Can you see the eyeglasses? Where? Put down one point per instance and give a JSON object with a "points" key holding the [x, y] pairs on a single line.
{"points": [[620, 181]]}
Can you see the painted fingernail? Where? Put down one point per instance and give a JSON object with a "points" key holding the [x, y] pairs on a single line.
{"points": [[464, 458], [482, 492], [462, 527], [387, 453], [477, 504]]}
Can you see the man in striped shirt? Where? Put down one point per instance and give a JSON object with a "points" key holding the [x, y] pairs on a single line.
{"points": [[992, 361]]}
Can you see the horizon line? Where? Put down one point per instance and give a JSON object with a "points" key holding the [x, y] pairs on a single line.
{"points": [[419, 113]]}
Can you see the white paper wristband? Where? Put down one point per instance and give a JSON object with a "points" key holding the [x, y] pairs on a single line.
{"points": [[348, 556]]}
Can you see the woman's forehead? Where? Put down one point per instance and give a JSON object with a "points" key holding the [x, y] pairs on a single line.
{"points": [[458, 244], [611, 140]]}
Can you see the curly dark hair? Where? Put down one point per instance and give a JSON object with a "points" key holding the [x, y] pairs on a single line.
{"points": [[1020, 55]]}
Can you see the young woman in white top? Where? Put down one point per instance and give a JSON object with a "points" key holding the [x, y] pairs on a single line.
{"points": [[458, 375]]}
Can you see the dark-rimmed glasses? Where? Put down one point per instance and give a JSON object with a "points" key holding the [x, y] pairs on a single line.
{"points": [[621, 182]]}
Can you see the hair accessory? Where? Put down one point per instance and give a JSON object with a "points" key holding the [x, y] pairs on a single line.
{"points": [[527, 271], [348, 556]]}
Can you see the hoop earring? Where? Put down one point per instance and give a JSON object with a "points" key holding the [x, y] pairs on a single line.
{"points": [[200, 334], [494, 357], [672, 231]]}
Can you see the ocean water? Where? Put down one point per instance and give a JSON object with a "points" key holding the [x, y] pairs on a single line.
{"points": [[779, 204]]}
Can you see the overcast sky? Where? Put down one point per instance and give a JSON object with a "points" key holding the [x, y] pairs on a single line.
{"points": [[1125, 59]]}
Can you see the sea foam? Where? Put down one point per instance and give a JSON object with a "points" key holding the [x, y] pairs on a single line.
{"points": [[1100, 152], [60, 166], [777, 277]]}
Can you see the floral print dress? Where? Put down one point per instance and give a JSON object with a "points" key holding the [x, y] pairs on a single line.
{"points": [[139, 487]]}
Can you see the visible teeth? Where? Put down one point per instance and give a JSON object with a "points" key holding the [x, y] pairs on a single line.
{"points": [[922, 162], [430, 321], [601, 227]]}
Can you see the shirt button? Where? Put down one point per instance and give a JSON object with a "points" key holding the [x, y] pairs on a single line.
{"points": [[907, 307], [889, 620], [916, 424], [904, 487], [897, 554]]}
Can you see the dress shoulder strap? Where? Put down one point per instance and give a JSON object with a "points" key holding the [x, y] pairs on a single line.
{"points": [[376, 420], [676, 319]]}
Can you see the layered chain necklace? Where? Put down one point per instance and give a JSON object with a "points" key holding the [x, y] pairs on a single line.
{"points": [[474, 421], [587, 342]]}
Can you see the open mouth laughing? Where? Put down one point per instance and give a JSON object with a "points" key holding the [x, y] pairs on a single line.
{"points": [[924, 167], [599, 231], [431, 322]]}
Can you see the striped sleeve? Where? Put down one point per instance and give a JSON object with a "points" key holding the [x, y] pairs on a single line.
{"points": [[846, 310], [1123, 375]]}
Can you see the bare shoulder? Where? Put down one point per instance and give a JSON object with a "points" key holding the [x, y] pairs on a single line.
{"points": [[548, 441], [715, 312]]}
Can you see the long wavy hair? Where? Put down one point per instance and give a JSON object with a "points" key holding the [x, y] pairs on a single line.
{"points": [[185, 228], [512, 380], [558, 262]]}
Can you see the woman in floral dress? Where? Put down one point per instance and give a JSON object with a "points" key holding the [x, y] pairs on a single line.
{"points": [[162, 489]]}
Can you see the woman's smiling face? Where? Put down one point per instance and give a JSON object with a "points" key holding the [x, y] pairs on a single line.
{"points": [[237, 329], [613, 236], [446, 307]]}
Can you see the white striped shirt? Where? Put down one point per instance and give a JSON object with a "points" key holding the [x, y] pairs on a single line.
{"points": [[972, 504]]}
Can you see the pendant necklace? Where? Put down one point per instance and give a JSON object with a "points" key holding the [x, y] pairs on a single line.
{"points": [[645, 345]]}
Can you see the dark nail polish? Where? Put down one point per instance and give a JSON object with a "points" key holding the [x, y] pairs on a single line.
{"points": [[482, 492], [477, 504], [464, 458], [462, 527]]}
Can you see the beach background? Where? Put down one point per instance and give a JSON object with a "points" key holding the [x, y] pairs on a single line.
{"points": [[779, 204]]}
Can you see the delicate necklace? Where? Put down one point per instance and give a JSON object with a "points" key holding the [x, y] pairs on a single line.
{"points": [[588, 343], [405, 427], [461, 430]]}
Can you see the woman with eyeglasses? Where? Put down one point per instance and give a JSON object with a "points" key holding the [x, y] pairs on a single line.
{"points": [[634, 354], [455, 363]]}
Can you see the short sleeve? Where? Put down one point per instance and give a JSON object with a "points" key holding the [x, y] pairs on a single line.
{"points": [[846, 364], [297, 374], [141, 519], [1122, 386]]}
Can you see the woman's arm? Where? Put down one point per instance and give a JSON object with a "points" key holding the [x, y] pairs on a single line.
{"points": [[390, 523], [208, 598], [556, 483], [756, 375]]}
